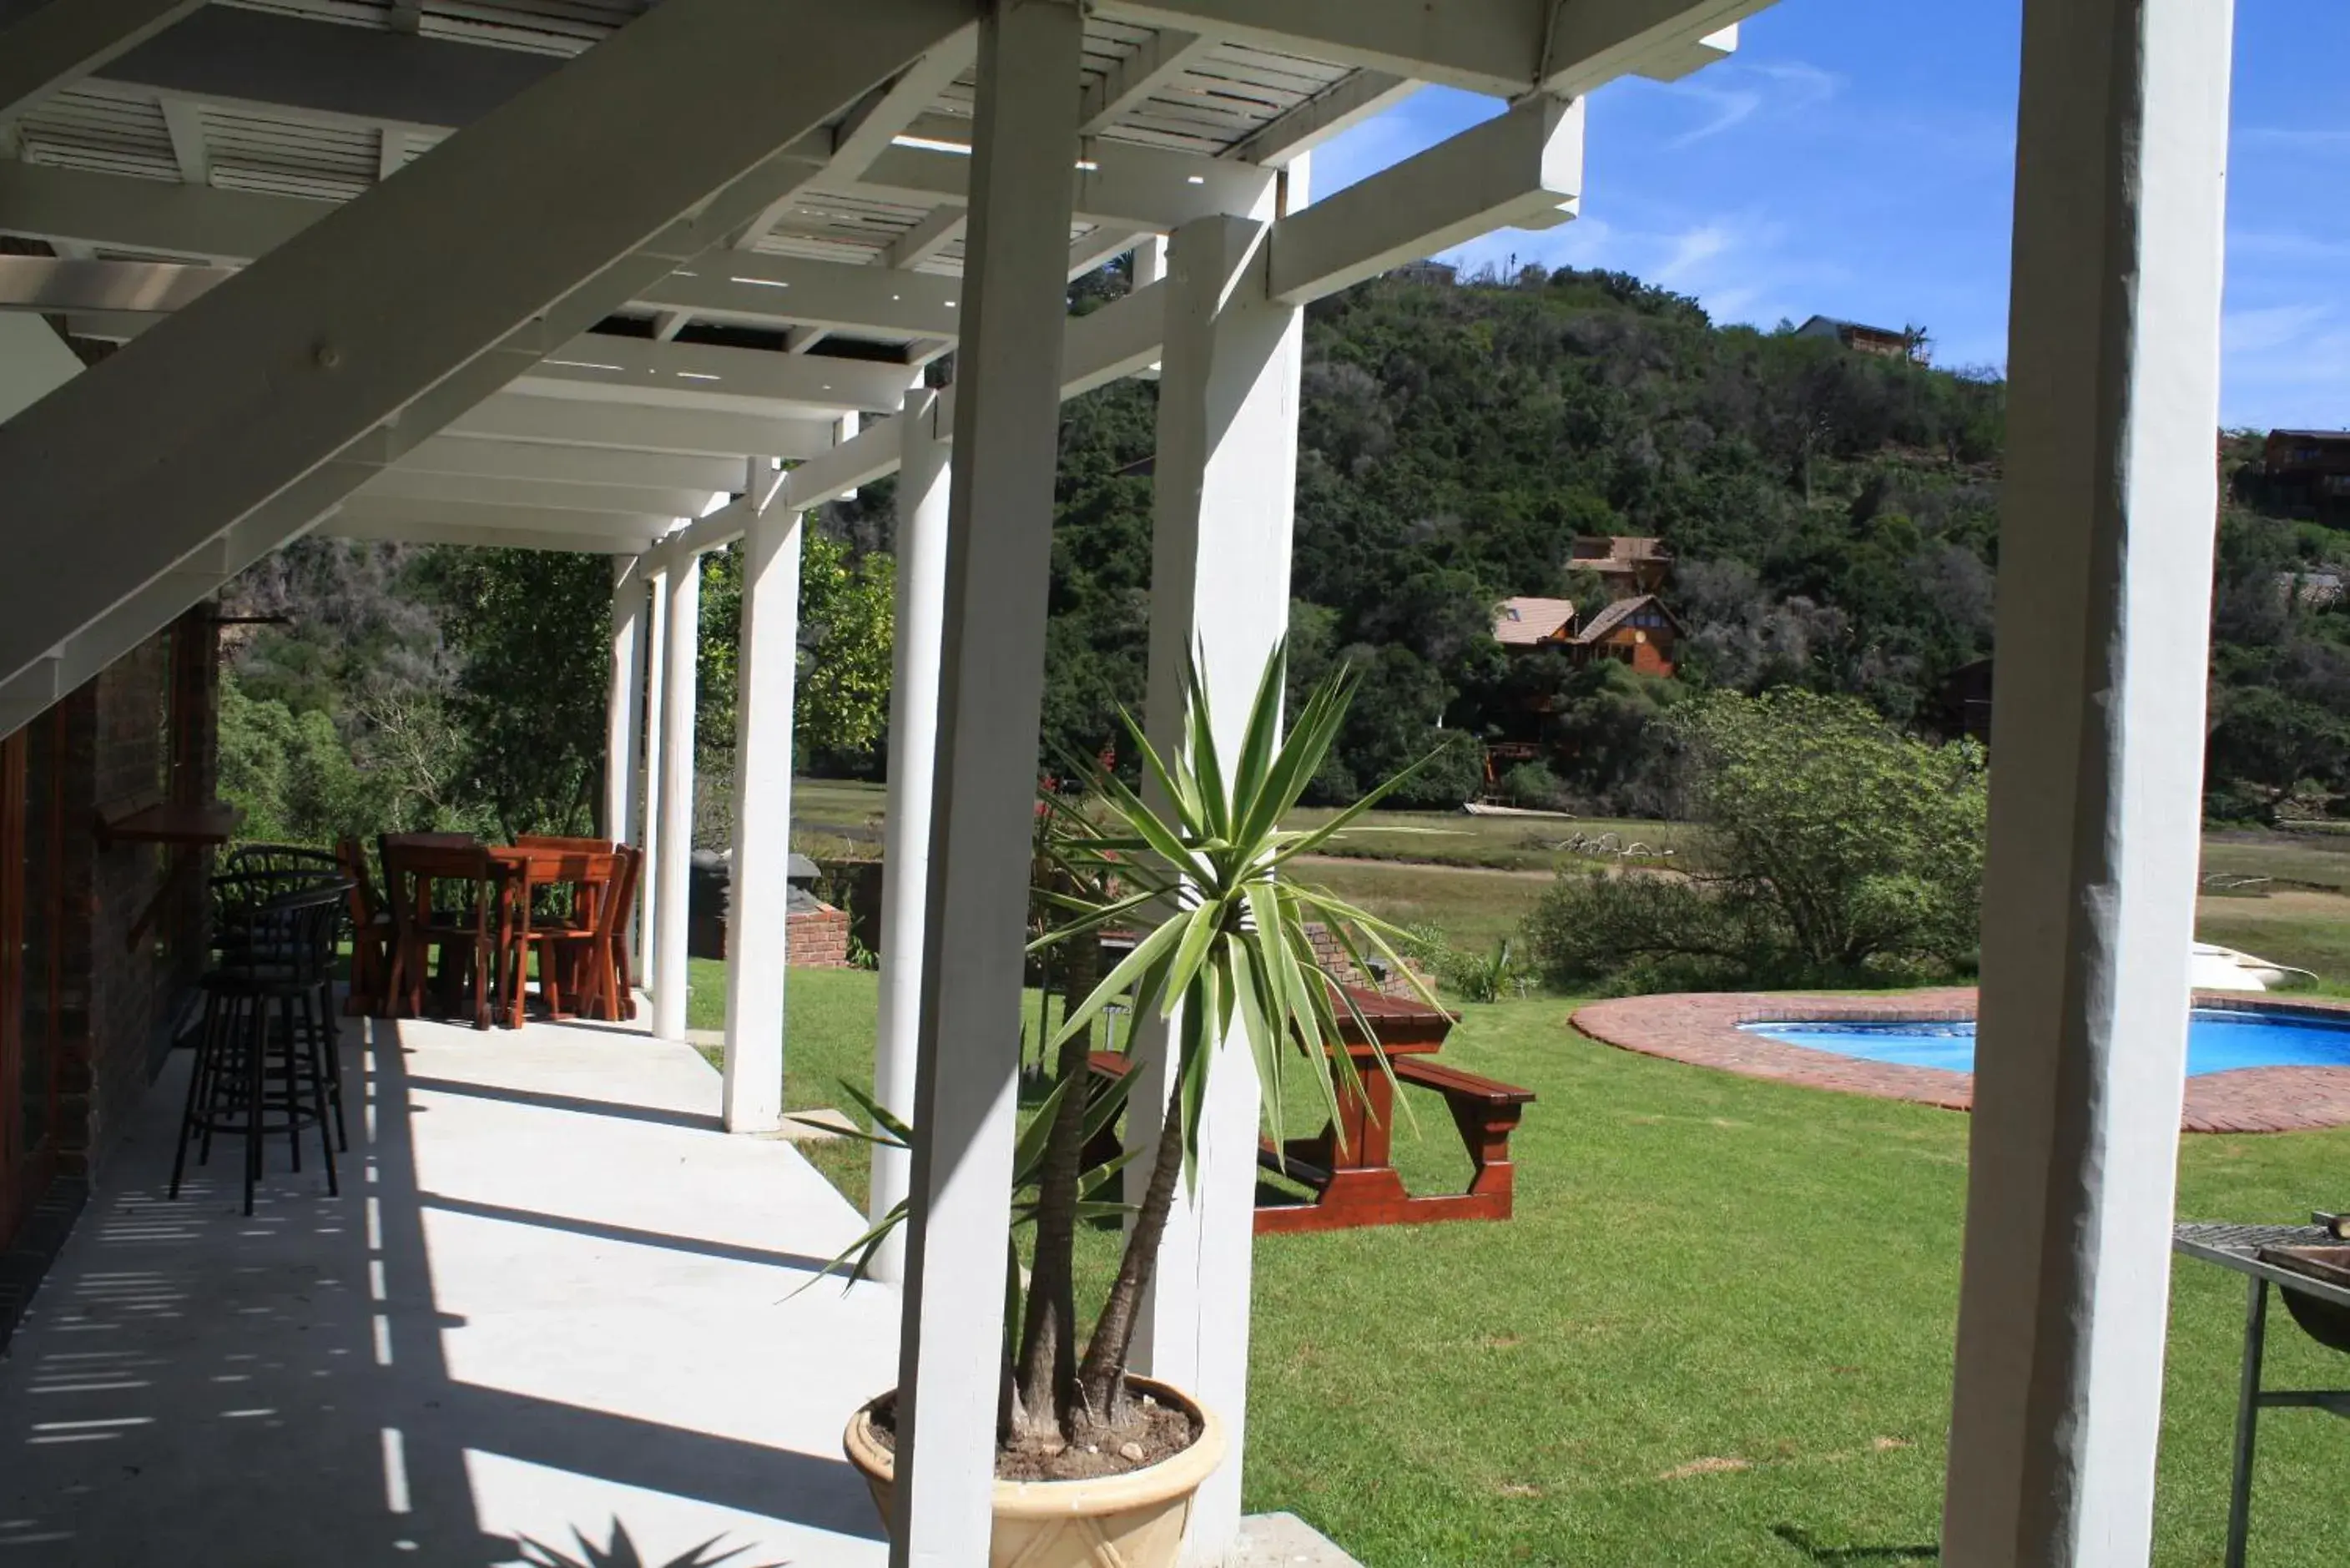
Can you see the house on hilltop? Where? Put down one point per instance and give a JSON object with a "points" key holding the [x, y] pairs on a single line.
{"points": [[1435, 274], [1882, 341], [2313, 463], [1627, 565], [1639, 632]]}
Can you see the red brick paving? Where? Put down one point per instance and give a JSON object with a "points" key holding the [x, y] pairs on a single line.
{"points": [[1702, 1030]]}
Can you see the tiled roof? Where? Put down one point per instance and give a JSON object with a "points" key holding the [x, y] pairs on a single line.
{"points": [[1523, 622], [1617, 614]]}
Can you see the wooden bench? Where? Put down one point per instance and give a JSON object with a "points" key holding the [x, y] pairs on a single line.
{"points": [[1357, 1184]]}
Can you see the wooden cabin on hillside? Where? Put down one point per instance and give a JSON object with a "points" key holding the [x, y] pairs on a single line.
{"points": [[1627, 566], [1640, 632]]}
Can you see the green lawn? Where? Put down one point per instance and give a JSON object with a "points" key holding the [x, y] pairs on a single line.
{"points": [[1717, 1333]]}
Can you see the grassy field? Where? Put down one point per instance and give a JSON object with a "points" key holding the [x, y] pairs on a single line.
{"points": [[1718, 1332]]}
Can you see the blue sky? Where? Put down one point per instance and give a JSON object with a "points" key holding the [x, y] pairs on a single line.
{"points": [[1856, 158]]}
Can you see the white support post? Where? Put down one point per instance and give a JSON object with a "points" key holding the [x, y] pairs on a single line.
{"points": [[923, 479], [2105, 547], [1224, 498], [624, 735], [759, 904], [991, 696], [656, 688], [625, 705], [674, 834]]}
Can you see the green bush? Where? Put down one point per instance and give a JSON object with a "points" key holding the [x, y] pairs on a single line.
{"points": [[1834, 849], [1533, 787]]}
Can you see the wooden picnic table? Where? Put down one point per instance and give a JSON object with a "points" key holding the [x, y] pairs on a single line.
{"points": [[1353, 1180], [516, 873]]}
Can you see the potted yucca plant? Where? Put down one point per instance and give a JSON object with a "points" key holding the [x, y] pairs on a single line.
{"points": [[1089, 1456]]}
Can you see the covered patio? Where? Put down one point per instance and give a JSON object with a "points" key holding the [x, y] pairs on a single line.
{"points": [[515, 278], [556, 1296]]}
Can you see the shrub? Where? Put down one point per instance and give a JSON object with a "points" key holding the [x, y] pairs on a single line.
{"points": [[1533, 786], [1835, 848]]}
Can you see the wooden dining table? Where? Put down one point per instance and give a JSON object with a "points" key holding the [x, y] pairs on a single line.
{"points": [[520, 871]]}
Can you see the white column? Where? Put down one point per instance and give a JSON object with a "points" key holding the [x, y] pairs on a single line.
{"points": [[1149, 262], [759, 907], [1224, 491], [2106, 544], [625, 707], [656, 688], [998, 559], [679, 661], [922, 485]]}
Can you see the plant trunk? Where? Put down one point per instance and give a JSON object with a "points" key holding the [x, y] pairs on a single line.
{"points": [[1101, 1380], [1048, 1349]]}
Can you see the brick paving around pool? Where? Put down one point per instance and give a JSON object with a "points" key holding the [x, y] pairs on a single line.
{"points": [[1703, 1030]]}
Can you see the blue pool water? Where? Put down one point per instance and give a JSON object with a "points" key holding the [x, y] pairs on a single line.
{"points": [[2217, 1040]]}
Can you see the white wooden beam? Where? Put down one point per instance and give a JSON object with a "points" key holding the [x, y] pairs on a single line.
{"points": [[1690, 55], [680, 662], [865, 132], [184, 122], [704, 376], [999, 558], [920, 548], [572, 421], [743, 286], [241, 59], [1224, 494], [362, 516], [1503, 49], [2106, 560], [1095, 248], [573, 465], [74, 204], [1112, 181], [422, 528], [758, 929], [1116, 341], [426, 294], [402, 483], [1346, 103], [1523, 167], [940, 228], [1129, 84], [625, 705], [49, 47]]}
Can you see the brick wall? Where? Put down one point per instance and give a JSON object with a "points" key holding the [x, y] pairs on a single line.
{"points": [[1333, 961], [115, 998], [817, 938]]}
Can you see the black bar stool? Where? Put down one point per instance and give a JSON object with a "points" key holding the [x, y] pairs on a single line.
{"points": [[267, 1052]]}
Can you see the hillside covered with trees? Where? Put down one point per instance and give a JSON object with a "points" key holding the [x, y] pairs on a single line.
{"points": [[1832, 516]]}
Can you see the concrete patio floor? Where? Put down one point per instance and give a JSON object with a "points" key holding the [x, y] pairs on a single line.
{"points": [[553, 1297]]}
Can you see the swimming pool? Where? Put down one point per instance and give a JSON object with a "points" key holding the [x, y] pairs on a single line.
{"points": [[2218, 1040]]}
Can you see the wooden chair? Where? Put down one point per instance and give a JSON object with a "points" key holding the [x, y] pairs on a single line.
{"points": [[622, 982], [420, 923], [370, 991], [573, 951]]}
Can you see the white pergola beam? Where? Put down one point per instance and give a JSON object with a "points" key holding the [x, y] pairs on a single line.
{"points": [[405, 484], [423, 529], [741, 286], [67, 205], [758, 919], [1346, 103], [574, 421], [1129, 84], [698, 375], [921, 546], [991, 693], [46, 47], [1523, 167], [434, 283], [2088, 908], [1503, 49], [866, 129], [364, 515], [1690, 55], [241, 59], [573, 465], [1111, 181], [1116, 341], [1223, 500], [184, 122], [941, 227]]}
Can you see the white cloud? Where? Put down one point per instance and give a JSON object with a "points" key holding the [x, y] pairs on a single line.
{"points": [[2271, 327], [2305, 138], [1734, 93]]}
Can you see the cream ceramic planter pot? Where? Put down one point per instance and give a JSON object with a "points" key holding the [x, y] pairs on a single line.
{"points": [[1136, 1518]]}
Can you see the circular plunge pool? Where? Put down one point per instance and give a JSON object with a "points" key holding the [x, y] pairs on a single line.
{"points": [[2218, 1040]]}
